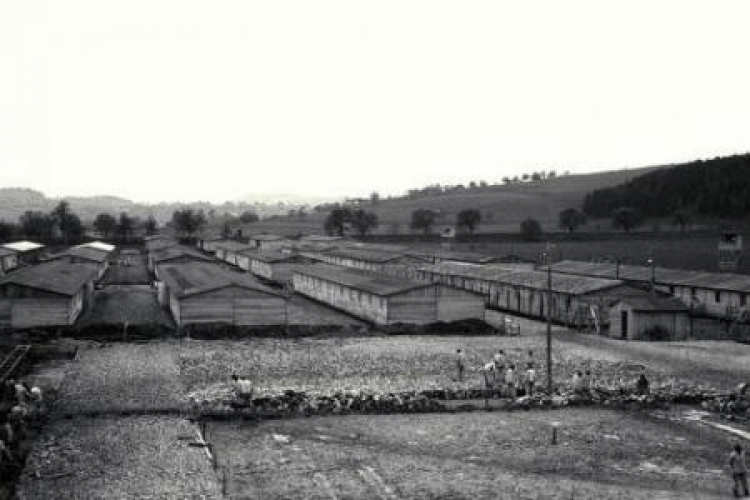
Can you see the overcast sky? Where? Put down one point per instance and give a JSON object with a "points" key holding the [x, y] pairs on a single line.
{"points": [[182, 100]]}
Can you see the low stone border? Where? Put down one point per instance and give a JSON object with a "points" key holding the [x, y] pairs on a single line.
{"points": [[296, 404]]}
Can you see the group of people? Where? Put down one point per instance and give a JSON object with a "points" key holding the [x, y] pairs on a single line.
{"points": [[26, 405], [500, 374], [513, 379]]}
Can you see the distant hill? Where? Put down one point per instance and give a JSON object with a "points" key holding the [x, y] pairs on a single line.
{"points": [[503, 207], [719, 187], [15, 201]]}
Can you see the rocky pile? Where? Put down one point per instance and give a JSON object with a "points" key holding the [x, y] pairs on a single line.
{"points": [[296, 403]]}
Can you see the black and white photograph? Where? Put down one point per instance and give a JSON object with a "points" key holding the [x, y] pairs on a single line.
{"points": [[374, 250]]}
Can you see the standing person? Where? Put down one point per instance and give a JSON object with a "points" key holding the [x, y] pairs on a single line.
{"points": [[586, 383], [577, 382], [499, 361], [738, 467], [530, 379], [488, 370], [641, 386], [460, 364], [510, 380]]}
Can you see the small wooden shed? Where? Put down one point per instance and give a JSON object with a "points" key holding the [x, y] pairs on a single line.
{"points": [[8, 260], [49, 294], [268, 241], [199, 292], [28, 252], [385, 299], [649, 317]]}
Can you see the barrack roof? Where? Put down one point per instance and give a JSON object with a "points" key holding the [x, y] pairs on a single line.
{"points": [[664, 276], [232, 245], [56, 276], [99, 245], [368, 255], [562, 283], [269, 256], [173, 252], [194, 278], [83, 252], [376, 284], [23, 246]]}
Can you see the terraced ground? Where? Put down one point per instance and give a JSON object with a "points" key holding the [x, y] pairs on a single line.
{"points": [[602, 453]]}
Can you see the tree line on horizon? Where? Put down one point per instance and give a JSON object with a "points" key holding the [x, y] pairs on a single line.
{"points": [[719, 187]]}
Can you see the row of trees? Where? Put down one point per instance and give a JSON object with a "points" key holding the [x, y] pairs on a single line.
{"points": [[340, 218], [438, 189], [122, 226], [59, 225], [63, 225]]}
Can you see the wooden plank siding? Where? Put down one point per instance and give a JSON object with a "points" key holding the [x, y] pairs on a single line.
{"points": [[28, 313], [454, 304], [424, 305], [417, 307], [230, 305], [572, 309], [8, 263], [358, 303]]}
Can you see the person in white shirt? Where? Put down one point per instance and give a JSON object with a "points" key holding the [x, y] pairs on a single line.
{"points": [[243, 388], [530, 379]]}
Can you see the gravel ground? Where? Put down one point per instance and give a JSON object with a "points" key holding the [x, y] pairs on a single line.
{"points": [[122, 377], [118, 458], [601, 454]]}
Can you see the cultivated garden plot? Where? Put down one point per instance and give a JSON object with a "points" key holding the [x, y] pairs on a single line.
{"points": [[122, 377], [119, 458], [600, 454], [408, 363]]}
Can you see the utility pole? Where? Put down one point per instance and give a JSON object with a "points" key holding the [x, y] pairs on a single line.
{"points": [[549, 329], [653, 276]]}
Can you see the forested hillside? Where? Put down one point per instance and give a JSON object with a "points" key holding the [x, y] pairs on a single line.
{"points": [[719, 188]]}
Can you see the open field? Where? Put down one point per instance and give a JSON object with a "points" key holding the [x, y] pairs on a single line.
{"points": [[601, 454], [115, 305], [118, 458], [699, 253], [502, 207]]}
